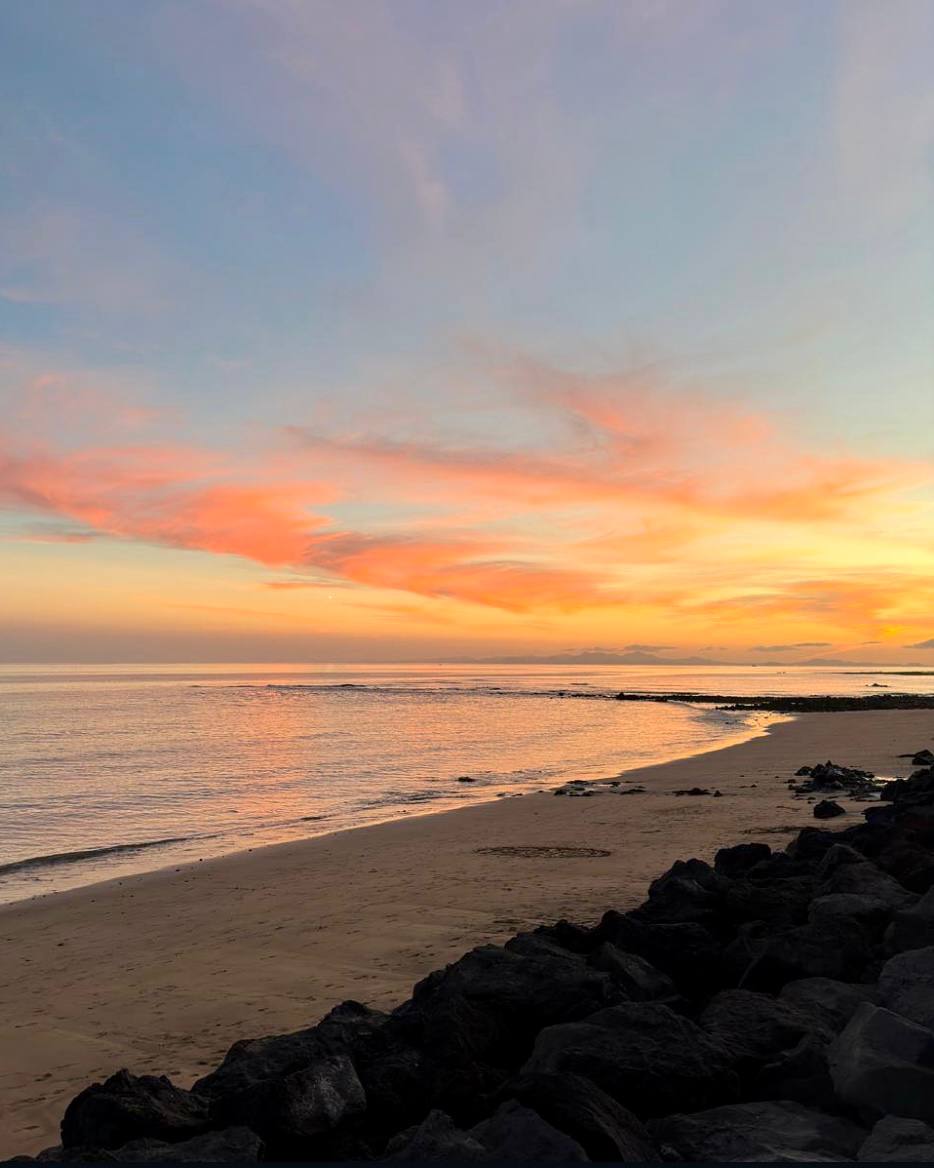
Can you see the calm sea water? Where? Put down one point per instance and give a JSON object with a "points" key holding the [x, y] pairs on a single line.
{"points": [[110, 770]]}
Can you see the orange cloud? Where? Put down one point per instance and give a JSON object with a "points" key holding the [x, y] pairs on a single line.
{"points": [[147, 493], [631, 496]]}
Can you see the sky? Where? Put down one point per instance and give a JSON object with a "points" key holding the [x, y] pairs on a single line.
{"points": [[372, 330]]}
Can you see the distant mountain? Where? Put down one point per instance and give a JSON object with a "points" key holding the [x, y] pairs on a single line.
{"points": [[607, 657], [589, 657]]}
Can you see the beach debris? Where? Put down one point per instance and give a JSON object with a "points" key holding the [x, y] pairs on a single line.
{"points": [[665, 1032], [827, 809], [692, 791], [829, 776]]}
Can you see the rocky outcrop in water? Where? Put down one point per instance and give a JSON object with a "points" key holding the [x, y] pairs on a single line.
{"points": [[768, 1006]]}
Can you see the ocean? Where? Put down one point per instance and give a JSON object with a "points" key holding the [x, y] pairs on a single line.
{"points": [[111, 770]]}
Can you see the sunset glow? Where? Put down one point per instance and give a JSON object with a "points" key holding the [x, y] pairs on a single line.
{"points": [[301, 363]]}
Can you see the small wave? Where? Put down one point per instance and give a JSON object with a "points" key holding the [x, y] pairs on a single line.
{"points": [[494, 691], [93, 853]]}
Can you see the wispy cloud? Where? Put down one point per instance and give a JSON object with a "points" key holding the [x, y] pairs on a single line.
{"points": [[629, 498]]}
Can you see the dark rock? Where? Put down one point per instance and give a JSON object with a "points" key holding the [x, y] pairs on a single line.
{"points": [[831, 1003], [736, 861], [697, 872], [924, 758], [641, 981], [692, 791], [754, 1027], [838, 856], [311, 1101], [868, 881], [780, 866], [906, 986], [435, 1138], [748, 1132], [686, 952], [913, 928], [836, 948], [811, 843], [77, 1155], [234, 1144], [604, 1128], [869, 913], [642, 1054], [911, 863], [252, 1062], [476, 1020], [828, 809], [680, 900], [127, 1107], [885, 1064], [800, 1073], [466, 779], [516, 1133], [779, 903], [898, 1141]]}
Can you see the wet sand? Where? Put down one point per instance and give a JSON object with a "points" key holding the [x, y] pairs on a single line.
{"points": [[160, 973]]}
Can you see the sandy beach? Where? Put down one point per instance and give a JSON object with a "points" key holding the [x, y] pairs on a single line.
{"points": [[161, 973]]}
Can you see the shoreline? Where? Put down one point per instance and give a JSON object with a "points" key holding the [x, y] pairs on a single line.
{"points": [[162, 971], [758, 724]]}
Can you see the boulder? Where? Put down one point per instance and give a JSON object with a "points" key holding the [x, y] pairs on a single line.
{"points": [[906, 985], [604, 1128], [686, 951], [234, 1144], [127, 1107], [828, 809], [924, 758], [885, 1064], [737, 860], [867, 912], [898, 1141], [836, 948], [637, 977], [643, 1054], [909, 862], [867, 880], [754, 1027], [800, 1073], [78, 1155], [698, 872], [810, 844], [255, 1061], [831, 1003], [678, 899], [839, 856], [493, 1001], [435, 1138], [781, 1132], [778, 903], [913, 927], [517, 1133], [309, 1102]]}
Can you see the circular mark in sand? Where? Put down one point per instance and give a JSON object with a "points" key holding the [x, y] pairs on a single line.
{"points": [[545, 853]]}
